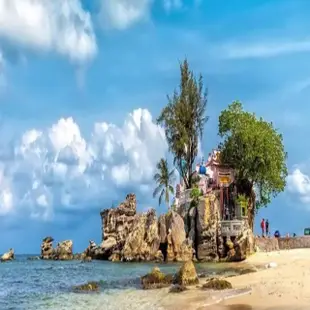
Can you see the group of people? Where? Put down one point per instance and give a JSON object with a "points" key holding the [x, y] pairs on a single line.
{"points": [[265, 227]]}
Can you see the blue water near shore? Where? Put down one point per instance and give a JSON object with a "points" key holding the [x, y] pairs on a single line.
{"points": [[38, 284]]}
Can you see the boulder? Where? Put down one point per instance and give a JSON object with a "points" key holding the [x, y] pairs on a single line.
{"points": [[187, 274], [178, 246], [242, 247], [156, 279], [8, 256], [217, 284], [64, 250], [47, 251], [87, 287]]}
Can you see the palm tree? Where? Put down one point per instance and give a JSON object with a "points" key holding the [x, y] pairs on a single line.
{"points": [[164, 180]]}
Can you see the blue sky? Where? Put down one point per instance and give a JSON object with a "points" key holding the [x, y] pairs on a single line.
{"points": [[81, 80]]}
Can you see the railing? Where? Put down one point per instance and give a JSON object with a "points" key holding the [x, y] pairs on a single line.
{"points": [[231, 228]]}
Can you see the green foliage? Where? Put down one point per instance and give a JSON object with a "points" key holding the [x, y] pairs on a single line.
{"points": [[254, 148], [183, 119], [195, 193], [164, 180]]}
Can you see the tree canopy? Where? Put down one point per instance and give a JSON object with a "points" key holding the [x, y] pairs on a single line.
{"points": [[164, 180], [254, 148], [183, 120]]}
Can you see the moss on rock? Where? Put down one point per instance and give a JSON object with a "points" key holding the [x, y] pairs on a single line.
{"points": [[87, 287], [187, 274], [156, 279], [217, 284]]}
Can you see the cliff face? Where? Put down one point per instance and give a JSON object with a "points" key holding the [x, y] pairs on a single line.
{"points": [[190, 233], [128, 236]]}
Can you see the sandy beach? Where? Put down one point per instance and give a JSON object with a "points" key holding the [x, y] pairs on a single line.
{"points": [[284, 286]]}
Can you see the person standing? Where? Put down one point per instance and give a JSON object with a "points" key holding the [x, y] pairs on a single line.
{"points": [[262, 226], [267, 227]]}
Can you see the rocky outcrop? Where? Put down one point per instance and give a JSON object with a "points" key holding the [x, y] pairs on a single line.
{"points": [[142, 243], [93, 251], [241, 247], [156, 279], [63, 251], [187, 274], [116, 225], [179, 248], [209, 244], [128, 236], [47, 251], [194, 232], [8, 256]]}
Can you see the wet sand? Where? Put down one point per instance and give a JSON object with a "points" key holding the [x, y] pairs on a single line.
{"points": [[284, 287]]}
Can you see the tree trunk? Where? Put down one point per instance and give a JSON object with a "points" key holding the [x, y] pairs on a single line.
{"points": [[251, 210]]}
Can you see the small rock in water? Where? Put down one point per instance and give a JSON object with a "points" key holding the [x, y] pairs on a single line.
{"points": [[272, 265], [156, 279], [87, 287], [217, 284]]}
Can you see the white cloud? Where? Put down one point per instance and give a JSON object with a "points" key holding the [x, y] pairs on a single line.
{"points": [[268, 49], [298, 184], [58, 25], [120, 14], [58, 168]]}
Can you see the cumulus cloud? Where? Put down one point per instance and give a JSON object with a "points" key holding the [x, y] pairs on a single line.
{"points": [[58, 169], [59, 25], [120, 14], [298, 184]]}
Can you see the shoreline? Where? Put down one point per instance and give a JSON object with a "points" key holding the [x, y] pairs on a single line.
{"points": [[283, 286]]}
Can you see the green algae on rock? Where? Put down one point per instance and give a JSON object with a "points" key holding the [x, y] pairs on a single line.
{"points": [[187, 274], [156, 279], [217, 284], [87, 287]]}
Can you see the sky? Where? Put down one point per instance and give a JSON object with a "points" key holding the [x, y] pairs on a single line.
{"points": [[81, 85]]}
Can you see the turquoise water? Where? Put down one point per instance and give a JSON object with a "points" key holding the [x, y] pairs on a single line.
{"points": [[38, 284]]}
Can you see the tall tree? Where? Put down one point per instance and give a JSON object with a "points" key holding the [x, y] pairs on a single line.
{"points": [[164, 180], [254, 148], [183, 120]]}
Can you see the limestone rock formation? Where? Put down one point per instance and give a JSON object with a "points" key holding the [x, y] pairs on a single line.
{"points": [[128, 236], [142, 243], [243, 246], [187, 274], [8, 256], [93, 250], [116, 225], [208, 229], [178, 246], [47, 251], [63, 250]]}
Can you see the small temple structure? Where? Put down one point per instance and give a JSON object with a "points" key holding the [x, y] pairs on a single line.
{"points": [[215, 176]]}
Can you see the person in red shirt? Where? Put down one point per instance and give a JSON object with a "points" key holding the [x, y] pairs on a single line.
{"points": [[262, 226]]}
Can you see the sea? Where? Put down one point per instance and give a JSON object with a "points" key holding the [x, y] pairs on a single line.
{"points": [[40, 284]]}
